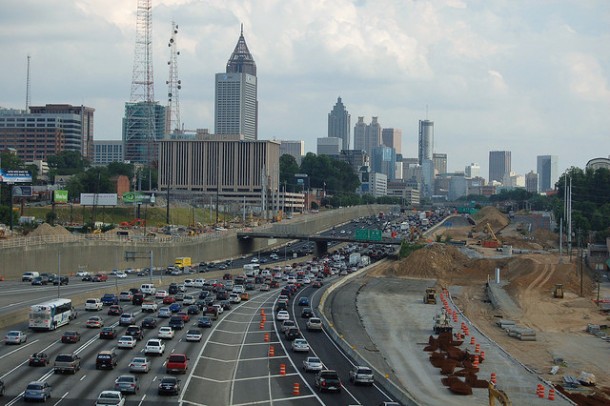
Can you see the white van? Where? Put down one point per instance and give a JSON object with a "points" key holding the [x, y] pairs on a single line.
{"points": [[94, 305], [198, 283], [28, 276], [148, 289]]}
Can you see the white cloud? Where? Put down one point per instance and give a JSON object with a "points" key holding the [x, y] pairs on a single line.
{"points": [[588, 80]]}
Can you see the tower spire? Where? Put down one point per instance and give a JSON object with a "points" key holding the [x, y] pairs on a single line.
{"points": [[174, 84], [241, 60]]}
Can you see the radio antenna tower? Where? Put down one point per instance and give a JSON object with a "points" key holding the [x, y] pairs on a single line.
{"points": [[27, 88], [140, 140], [173, 125]]}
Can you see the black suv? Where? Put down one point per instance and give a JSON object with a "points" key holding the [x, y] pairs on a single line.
{"points": [[173, 288], [176, 323], [135, 332], [292, 333], [61, 280], [138, 298], [328, 380], [106, 360]]}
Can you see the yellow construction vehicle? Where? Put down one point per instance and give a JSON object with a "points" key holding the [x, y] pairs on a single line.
{"points": [[499, 395], [492, 241], [430, 296], [558, 291]]}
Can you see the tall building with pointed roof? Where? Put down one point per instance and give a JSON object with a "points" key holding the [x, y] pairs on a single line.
{"points": [[236, 101], [339, 124]]}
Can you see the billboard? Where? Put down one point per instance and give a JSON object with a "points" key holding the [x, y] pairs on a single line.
{"points": [[22, 191], [15, 176], [138, 197], [60, 196], [98, 199]]}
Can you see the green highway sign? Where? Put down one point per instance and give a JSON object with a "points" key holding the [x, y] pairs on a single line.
{"points": [[374, 235], [362, 234]]}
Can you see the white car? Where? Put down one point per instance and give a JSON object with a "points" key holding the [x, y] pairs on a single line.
{"points": [[264, 287], [126, 342], [15, 337], [193, 335], [239, 289], [198, 283], [155, 346], [121, 275], [110, 398], [312, 364], [282, 315], [182, 288], [166, 333], [286, 324], [254, 260], [188, 300], [234, 298], [139, 364], [160, 294], [80, 274], [306, 280], [188, 283], [219, 308], [300, 345]]}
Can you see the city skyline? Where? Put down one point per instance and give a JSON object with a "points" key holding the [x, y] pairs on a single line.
{"points": [[487, 88]]}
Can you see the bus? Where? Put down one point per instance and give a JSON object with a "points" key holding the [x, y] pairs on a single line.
{"points": [[52, 314], [252, 269]]}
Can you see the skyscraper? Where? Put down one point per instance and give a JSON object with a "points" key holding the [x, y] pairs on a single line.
{"points": [[339, 123], [392, 137], [440, 163], [367, 137], [426, 140], [499, 165], [547, 172], [236, 100]]}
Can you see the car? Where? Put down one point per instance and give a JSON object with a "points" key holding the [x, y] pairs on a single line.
{"points": [[292, 334], [138, 298], [15, 337], [127, 384], [135, 331], [115, 310], [173, 288], [149, 322], [110, 398], [188, 300], [361, 375], [234, 298], [193, 310], [286, 324], [312, 364], [70, 337], [169, 385], [314, 324], [193, 335], [176, 323], [39, 359], [327, 380], [175, 307], [184, 316], [106, 360], [126, 342], [87, 278], [61, 280], [139, 364], [304, 301], [66, 363], [160, 294], [179, 297], [177, 363], [188, 283], [121, 275], [169, 299], [99, 277], [127, 319], [282, 315], [37, 390], [281, 306], [316, 284], [307, 312], [204, 321], [95, 322], [164, 313], [245, 296], [226, 305], [154, 346], [108, 333], [126, 296], [264, 287], [166, 333], [300, 345], [109, 299]]}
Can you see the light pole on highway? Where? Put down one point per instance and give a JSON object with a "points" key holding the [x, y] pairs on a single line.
{"points": [[58, 272]]}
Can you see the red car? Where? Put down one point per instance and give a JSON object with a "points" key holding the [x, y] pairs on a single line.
{"points": [[115, 310], [100, 277], [184, 316], [70, 337], [177, 363], [169, 299]]}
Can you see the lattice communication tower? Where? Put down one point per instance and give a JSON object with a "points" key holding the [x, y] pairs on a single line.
{"points": [[174, 85]]}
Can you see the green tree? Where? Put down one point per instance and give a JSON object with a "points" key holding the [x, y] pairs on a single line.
{"points": [[120, 168], [288, 168], [67, 163]]}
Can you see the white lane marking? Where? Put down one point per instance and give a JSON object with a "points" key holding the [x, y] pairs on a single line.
{"points": [[60, 399], [142, 400]]}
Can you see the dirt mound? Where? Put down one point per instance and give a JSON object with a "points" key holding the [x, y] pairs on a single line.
{"points": [[491, 215], [46, 229]]}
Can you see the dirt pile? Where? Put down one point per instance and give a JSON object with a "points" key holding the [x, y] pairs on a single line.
{"points": [[491, 215], [46, 229]]}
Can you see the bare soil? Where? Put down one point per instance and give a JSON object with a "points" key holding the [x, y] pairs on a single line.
{"points": [[560, 324]]}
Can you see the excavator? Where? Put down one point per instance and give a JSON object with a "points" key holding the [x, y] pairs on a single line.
{"points": [[499, 395], [492, 241], [133, 223]]}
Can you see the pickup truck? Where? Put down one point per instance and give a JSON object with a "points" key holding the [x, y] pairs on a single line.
{"points": [[149, 306], [66, 363], [177, 363], [361, 375], [109, 299]]}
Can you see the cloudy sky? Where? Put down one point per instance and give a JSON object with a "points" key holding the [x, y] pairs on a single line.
{"points": [[529, 76]]}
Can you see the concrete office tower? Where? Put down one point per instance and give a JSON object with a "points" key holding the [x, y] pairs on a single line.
{"points": [[236, 99], [339, 123], [106, 152], [392, 137], [531, 182], [472, 171], [499, 165], [440, 163], [329, 146], [383, 160], [294, 148], [426, 140], [367, 137], [547, 172]]}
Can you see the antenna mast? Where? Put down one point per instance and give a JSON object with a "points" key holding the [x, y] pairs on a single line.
{"points": [[173, 125], [27, 87]]}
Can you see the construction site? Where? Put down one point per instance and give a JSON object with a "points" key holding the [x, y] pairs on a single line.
{"points": [[515, 287]]}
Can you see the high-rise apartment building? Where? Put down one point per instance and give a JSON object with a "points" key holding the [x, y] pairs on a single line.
{"points": [[47, 130], [294, 148], [440, 163], [547, 172], [499, 165], [392, 137], [425, 145], [367, 137], [339, 124], [236, 100]]}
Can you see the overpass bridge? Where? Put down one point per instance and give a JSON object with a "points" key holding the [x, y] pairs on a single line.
{"points": [[320, 240]]}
